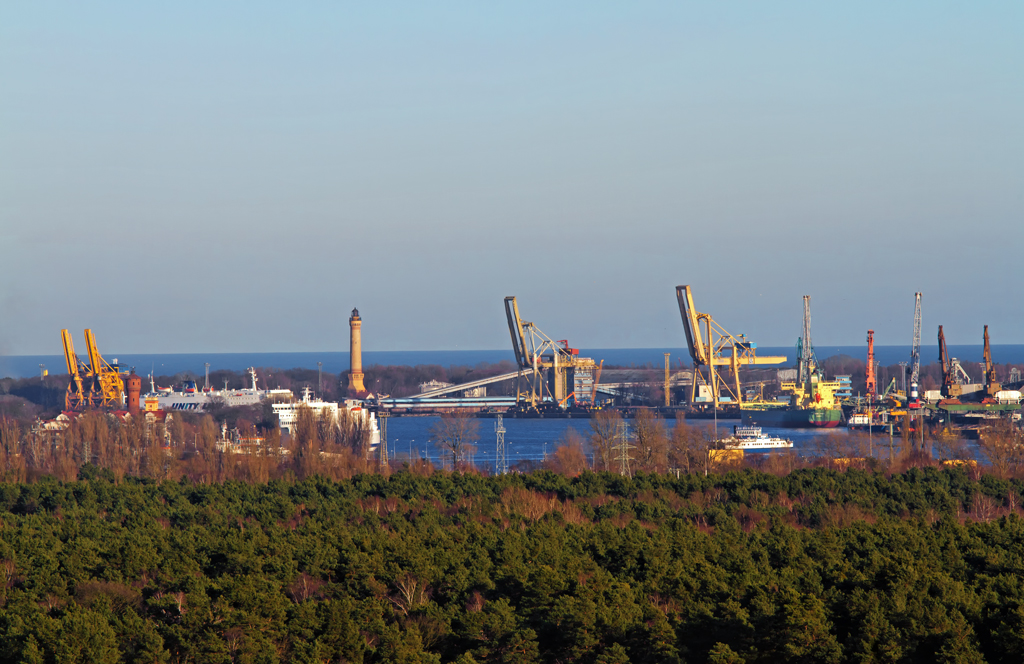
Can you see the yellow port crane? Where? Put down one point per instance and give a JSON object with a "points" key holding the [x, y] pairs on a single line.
{"points": [[569, 376], [75, 398], [708, 341], [96, 385]]}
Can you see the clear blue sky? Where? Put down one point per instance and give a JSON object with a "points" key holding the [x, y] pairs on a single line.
{"points": [[237, 176]]}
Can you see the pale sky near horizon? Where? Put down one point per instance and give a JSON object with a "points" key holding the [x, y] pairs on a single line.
{"points": [[237, 176]]}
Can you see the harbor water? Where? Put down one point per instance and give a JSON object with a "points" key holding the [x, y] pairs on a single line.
{"points": [[533, 440]]}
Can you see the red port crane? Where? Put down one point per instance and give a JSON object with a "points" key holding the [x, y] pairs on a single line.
{"points": [[871, 382]]}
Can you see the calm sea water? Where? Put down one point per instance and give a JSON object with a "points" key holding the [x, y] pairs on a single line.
{"points": [[533, 440], [20, 366]]}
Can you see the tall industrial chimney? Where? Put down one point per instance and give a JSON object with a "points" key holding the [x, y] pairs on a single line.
{"points": [[355, 353]]}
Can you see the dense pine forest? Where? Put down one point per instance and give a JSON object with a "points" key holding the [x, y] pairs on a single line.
{"points": [[812, 566], [211, 538]]}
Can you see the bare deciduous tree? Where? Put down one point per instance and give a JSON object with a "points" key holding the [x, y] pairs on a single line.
{"points": [[1002, 445], [454, 434], [604, 427], [688, 449], [569, 459], [651, 442]]}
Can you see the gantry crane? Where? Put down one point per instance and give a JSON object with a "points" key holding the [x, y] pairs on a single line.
{"points": [[707, 348], [570, 379], [101, 386], [76, 397]]}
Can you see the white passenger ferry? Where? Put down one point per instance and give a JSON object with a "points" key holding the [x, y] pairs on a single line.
{"points": [[288, 414], [191, 397], [751, 438]]}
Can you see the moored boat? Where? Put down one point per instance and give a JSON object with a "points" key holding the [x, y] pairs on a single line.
{"points": [[752, 439], [190, 397]]}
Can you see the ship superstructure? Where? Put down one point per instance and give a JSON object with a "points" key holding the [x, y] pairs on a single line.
{"points": [[288, 413]]}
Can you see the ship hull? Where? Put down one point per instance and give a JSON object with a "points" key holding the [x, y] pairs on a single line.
{"points": [[794, 418]]}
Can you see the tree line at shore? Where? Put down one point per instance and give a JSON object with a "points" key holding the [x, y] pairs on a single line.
{"points": [[245, 444]]}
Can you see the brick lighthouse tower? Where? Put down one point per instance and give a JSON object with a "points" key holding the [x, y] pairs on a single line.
{"points": [[355, 353]]}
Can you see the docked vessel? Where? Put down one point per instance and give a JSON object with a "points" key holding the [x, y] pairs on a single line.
{"points": [[813, 401], [751, 439], [190, 397], [863, 421], [288, 415], [789, 417]]}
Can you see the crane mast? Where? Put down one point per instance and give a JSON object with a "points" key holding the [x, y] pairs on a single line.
{"points": [[991, 386], [915, 350], [807, 361], [951, 370], [109, 385], [75, 397], [871, 383], [947, 375]]}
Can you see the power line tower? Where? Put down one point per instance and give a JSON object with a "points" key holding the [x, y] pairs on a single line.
{"points": [[383, 416], [500, 458], [623, 449]]}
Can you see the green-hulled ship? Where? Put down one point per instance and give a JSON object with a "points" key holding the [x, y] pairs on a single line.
{"points": [[812, 399], [782, 415]]}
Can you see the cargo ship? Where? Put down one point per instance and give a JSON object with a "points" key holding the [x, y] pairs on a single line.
{"points": [[812, 403], [791, 418]]}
